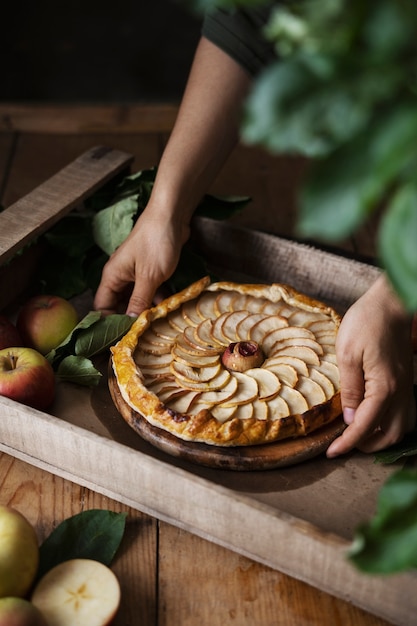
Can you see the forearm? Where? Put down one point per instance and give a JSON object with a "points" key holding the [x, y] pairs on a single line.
{"points": [[205, 132]]}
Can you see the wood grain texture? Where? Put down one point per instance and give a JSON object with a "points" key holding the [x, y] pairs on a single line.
{"points": [[168, 575], [36, 212]]}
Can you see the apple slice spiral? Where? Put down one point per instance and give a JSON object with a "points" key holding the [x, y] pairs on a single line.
{"points": [[237, 353]]}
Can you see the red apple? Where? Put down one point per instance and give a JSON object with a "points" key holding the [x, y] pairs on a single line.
{"points": [[9, 335], [45, 321], [20, 612], [242, 355], [26, 376]]}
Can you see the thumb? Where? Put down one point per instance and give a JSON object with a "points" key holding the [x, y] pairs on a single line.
{"points": [[352, 387], [140, 299]]}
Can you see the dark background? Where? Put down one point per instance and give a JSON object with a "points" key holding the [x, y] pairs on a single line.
{"points": [[96, 51]]}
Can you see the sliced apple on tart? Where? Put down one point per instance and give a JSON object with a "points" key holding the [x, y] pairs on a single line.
{"points": [[232, 364]]}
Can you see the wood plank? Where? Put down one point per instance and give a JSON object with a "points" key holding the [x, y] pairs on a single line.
{"points": [[37, 211], [38, 156], [46, 500], [186, 499], [202, 583], [6, 147], [52, 119]]}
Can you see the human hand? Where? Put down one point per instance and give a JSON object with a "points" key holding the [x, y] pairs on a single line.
{"points": [[134, 273], [374, 356]]}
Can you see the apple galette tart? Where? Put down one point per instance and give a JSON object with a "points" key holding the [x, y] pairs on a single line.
{"points": [[231, 364]]}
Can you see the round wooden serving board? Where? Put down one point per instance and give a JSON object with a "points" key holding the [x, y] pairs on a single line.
{"points": [[243, 458]]}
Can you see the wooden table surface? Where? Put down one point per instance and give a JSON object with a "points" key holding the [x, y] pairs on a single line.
{"points": [[168, 576]]}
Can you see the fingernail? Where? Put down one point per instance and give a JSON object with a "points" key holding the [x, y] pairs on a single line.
{"points": [[348, 415], [332, 452]]}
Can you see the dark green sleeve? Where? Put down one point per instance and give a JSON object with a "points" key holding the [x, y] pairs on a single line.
{"points": [[238, 32]]}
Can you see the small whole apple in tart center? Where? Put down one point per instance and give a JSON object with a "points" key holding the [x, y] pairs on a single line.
{"points": [[240, 356]]}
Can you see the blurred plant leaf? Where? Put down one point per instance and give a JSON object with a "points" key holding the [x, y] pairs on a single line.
{"points": [[344, 188], [398, 243], [388, 543], [405, 448]]}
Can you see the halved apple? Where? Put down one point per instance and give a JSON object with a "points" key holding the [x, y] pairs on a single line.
{"points": [[78, 591]]}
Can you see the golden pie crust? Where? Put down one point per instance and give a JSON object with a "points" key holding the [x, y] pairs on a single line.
{"points": [[169, 367]]}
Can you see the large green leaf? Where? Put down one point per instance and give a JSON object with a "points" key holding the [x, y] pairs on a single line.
{"points": [[345, 187], [102, 335], [112, 225], [388, 543], [94, 534], [398, 243], [78, 370]]}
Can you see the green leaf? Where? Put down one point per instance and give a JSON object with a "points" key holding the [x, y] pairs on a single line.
{"points": [[405, 448], [388, 543], [112, 225], [95, 534], [78, 370], [398, 243], [66, 347], [342, 189], [102, 335]]}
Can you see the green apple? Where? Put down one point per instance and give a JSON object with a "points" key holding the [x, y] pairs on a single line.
{"points": [[26, 376], [19, 553], [78, 591], [20, 612], [9, 335], [45, 321]]}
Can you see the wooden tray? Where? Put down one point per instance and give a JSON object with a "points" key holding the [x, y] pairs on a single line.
{"points": [[243, 458], [298, 519]]}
